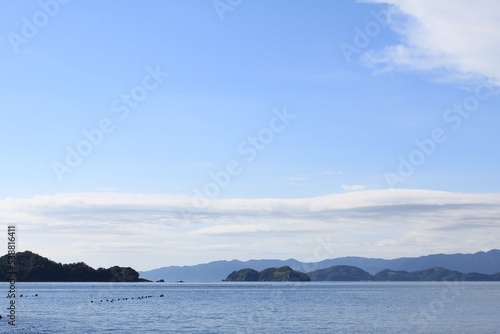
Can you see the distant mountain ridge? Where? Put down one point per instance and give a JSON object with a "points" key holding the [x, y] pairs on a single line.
{"points": [[480, 262], [349, 273]]}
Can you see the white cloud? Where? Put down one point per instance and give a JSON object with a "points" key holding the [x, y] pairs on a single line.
{"points": [[332, 173], [150, 231], [298, 178], [222, 247], [209, 165], [234, 229], [107, 190], [460, 36], [353, 187]]}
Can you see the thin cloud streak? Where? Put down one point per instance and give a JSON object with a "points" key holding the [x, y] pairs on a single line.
{"points": [[379, 223]]}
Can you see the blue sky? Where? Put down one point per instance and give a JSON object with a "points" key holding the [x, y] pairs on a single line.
{"points": [[234, 73]]}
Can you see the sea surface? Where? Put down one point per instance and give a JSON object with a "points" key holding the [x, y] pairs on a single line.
{"points": [[230, 307]]}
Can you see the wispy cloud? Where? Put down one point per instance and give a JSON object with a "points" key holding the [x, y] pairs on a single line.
{"points": [[356, 187], [332, 173], [459, 36], [235, 229], [353, 187], [107, 190], [209, 165], [222, 247], [298, 178]]}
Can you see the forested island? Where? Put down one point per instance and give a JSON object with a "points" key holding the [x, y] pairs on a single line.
{"points": [[281, 274], [31, 267], [351, 273]]}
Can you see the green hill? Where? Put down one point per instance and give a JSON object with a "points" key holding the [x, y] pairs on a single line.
{"points": [[246, 275], [32, 267], [281, 274], [431, 274], [340, 273], [350, 273]]}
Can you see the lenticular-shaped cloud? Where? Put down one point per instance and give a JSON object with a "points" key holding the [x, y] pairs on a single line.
{"points": [[377, 223]]}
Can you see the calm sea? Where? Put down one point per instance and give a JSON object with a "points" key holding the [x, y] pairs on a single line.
{"points": [[360, 307]]}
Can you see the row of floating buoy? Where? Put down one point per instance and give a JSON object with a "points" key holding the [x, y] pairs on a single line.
{"points": [[112, 300], [36, 295]]}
